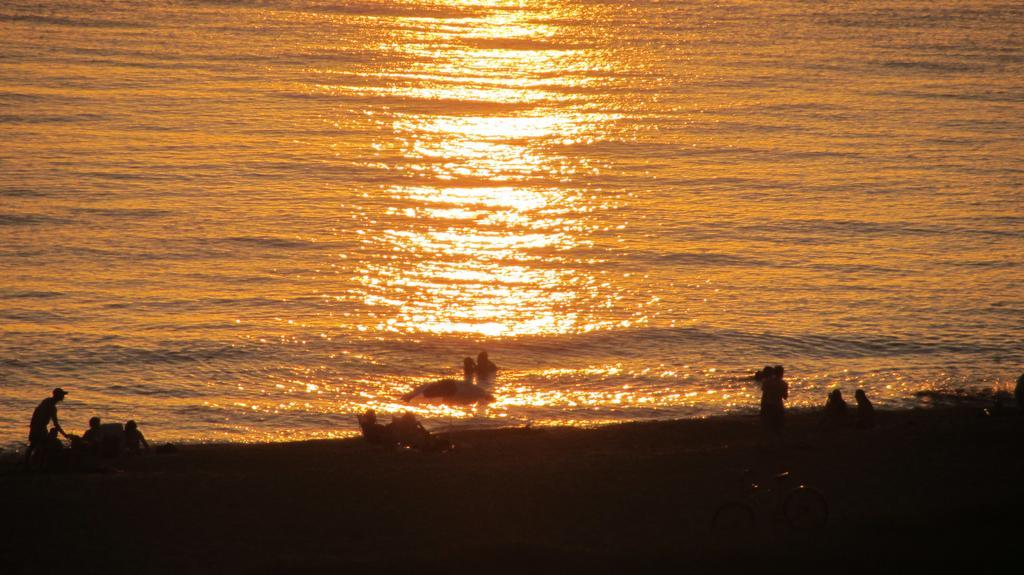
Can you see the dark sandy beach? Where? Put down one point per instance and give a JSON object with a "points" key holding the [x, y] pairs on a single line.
{"points": [[937, 487]]}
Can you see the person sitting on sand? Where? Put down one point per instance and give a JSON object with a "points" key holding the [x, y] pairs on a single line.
{"points": [[53, 456], [408, 432], [91, 437], [133, 438], [835, 406], [44, 413], [486, 371], [468, 371], [374, 432], [111, 440], [865, 411]]}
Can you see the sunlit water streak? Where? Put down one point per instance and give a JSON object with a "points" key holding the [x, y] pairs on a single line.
{"points": [[251, 221]]}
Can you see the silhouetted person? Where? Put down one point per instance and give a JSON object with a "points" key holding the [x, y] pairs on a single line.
{"points": [[486, 371], [44, 413], [52, 456], [759, 379], [1018, 392], [774, 391], [374, 432], [765, 382], [111, 440], [91, 437], [781, 381], [134, 441], [468, 371], [408, 432], [865, 411], [835, 406]]}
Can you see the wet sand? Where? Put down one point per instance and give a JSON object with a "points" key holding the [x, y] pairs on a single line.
{"points": [[937, 487]]}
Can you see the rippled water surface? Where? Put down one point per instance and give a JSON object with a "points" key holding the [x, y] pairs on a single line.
{"points": [[250, 220]]}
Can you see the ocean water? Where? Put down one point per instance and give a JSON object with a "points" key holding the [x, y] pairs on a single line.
{"points": [[250, 220]]}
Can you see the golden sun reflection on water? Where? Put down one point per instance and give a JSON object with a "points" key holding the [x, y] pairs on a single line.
{"points": [[296, 197], [481, 240]]}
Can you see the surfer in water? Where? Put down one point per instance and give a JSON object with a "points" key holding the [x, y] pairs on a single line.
{"points": [[486, 371], [453, 391], [468, 371]]}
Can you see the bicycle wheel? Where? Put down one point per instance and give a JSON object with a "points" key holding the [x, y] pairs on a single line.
{"points": [[805, 509], [733, 517]]}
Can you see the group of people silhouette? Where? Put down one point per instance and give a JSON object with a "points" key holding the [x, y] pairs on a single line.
{"points": [[775, 391], [46, 451], [482, 370], [101, 441], [477, 378], [405, 431], [836, 409]]}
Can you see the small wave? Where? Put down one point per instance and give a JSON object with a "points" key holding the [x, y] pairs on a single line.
{"points": [[21, 193], [70, 22], [520, 44], [696, 258], [49, 118], [151, 391], [75, 358], [123, 212], [637, 342], [27, 219], [950, 66], [28, 294], [990, 96], [268, 242], [34, 316]]}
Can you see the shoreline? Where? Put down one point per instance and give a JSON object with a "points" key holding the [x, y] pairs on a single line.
{"points": [[925, 400], [940, 480]]}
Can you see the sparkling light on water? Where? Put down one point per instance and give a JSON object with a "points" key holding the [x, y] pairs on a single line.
{"points": [[251, 221]]}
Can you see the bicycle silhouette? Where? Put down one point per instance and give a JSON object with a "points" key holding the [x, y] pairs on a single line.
{"points": [[801, 508]]}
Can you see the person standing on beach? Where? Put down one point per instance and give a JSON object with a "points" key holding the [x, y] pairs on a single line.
{"points": [[761, 378], [774, 391], [44, 413], [486, 371]]}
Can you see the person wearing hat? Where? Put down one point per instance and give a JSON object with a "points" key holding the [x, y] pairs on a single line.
{"points": [[45, 412]]}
